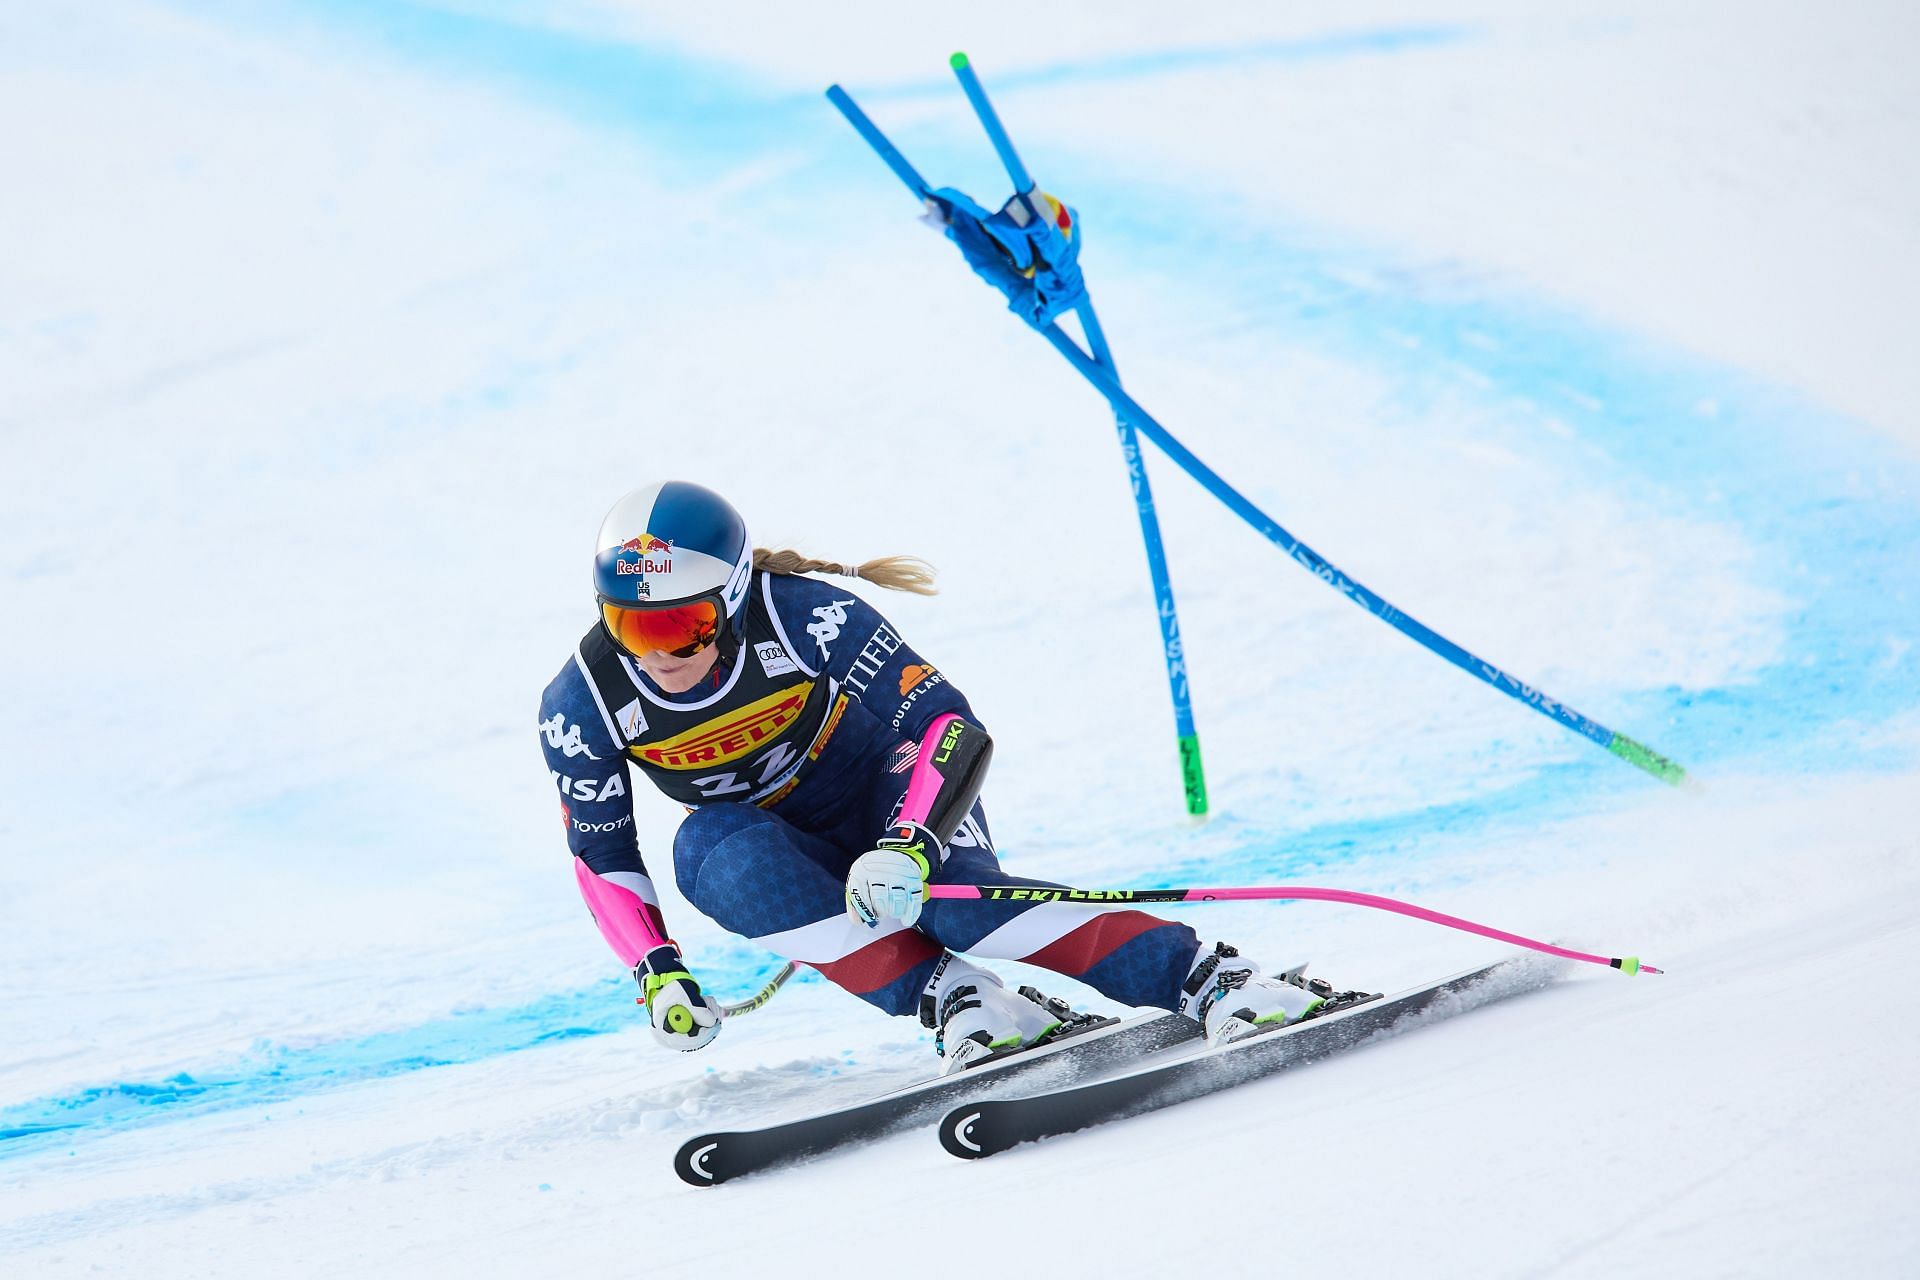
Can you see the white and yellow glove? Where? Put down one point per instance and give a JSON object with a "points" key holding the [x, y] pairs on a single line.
{"points": [[890, 880], [683, 1016]]}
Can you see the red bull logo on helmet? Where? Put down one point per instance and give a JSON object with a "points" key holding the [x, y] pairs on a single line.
{"points": [[655, 556]]}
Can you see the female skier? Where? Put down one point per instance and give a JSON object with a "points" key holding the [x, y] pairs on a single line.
{"points": [[830, 773]]}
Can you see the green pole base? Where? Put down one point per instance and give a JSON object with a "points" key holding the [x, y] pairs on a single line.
{"points": [[1645, 757], [1193, 775]]}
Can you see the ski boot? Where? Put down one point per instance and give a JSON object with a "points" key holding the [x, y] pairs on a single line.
{"points": [[975, 1018], [1231, 998]]}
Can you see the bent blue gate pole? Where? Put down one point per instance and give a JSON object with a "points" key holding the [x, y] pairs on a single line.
{"points": [[990, 121], [1132, 414], [1635, 753], [878, 141], [1193, 775]]}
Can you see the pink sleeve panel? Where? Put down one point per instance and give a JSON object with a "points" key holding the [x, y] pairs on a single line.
{"points": [[625, 907]]}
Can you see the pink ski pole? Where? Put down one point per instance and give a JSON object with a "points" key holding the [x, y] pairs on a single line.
{"points": [[1276, 893]]}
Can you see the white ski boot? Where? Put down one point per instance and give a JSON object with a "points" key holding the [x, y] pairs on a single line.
{"points": [[976, 1017], [1231, 998]]}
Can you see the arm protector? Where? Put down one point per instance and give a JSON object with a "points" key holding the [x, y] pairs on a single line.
{"points": [[623, 905], [951, 769]]}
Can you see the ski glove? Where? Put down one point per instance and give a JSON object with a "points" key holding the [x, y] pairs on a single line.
{"points": [[683, 1016], [890, 881]]}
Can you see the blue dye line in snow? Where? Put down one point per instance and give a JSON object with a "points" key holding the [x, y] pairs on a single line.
{"points": [[1138, 66], [276, 1073], [705, 114], [1833, 514]]}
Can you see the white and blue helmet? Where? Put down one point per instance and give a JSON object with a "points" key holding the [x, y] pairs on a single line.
{"points": [[674, 543]]}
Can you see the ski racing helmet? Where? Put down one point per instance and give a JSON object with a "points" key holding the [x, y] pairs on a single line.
{"points": [[670, 571]]}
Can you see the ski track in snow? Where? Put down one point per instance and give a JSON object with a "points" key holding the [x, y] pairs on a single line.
{"points": [[1763, 556]]}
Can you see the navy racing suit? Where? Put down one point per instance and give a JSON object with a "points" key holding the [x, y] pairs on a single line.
{"points": [[793, 757]]}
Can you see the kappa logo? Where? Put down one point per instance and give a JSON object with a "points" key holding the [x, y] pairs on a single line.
{"points": [[732, 735], [565, 737], [832, 617], [913, 674], [971, 835], [773, 659]]}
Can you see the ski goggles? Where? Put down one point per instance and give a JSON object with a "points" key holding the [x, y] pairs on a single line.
{"points": [[680, 629]]}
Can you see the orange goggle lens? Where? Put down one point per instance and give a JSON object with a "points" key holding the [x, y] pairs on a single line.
{"points": [[680, 629]]}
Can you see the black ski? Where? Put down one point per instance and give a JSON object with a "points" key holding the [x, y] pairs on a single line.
{"points": [[985, 1127], [715, 1157]]}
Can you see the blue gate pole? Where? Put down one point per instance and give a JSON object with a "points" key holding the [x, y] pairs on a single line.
{"points": [[1193, 776]]}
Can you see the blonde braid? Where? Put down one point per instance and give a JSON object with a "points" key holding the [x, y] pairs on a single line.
{"points": [[896, 573]]}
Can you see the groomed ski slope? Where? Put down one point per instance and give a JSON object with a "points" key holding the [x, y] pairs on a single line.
{"points": [[329, 330]]}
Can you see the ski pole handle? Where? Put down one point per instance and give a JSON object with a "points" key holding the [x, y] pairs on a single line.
{"points": [[1271, 893]]}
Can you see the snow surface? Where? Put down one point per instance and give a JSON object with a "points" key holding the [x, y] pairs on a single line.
{"points": [[329, 329]]}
